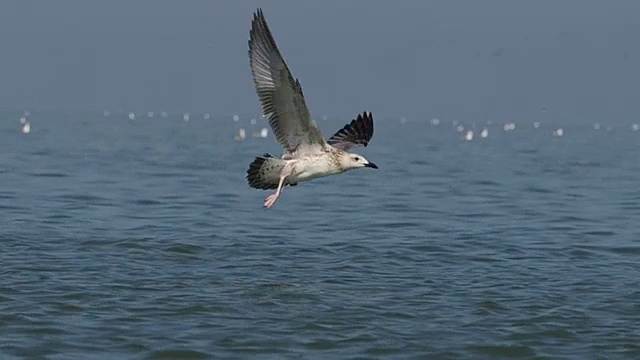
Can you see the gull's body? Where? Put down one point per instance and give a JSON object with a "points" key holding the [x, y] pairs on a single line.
{"points": [[306, 154]]}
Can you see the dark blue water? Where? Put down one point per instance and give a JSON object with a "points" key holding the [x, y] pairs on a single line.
{"points": [[141, 239]]}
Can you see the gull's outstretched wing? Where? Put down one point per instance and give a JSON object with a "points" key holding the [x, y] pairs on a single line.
{"points": [[356, 133], [280, 94]]}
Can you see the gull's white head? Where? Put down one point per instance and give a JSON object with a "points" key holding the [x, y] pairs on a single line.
{"points": [[350, 161]]}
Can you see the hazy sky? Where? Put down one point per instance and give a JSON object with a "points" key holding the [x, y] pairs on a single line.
{"points": [[469, 60]]}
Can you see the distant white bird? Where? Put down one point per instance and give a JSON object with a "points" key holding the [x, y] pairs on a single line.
{"points": [[306, 154], [484, 133], [262, 134], [240, 135], [469, 135], [26, 128]]}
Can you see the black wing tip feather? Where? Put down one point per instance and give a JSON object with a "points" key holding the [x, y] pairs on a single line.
{"points": [[366, 120], [258, 15], [259, 21], [358, 132], [257, 28], [261, 41], [260, 29]]}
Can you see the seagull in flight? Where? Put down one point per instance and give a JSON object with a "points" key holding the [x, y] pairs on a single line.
{"points": [[306, 154]]}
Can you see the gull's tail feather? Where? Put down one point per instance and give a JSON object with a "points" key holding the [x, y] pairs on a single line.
{"points": [[264, 172]]}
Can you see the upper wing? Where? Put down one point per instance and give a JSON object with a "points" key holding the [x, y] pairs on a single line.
{"points": [[280, 95], [358, 132]]}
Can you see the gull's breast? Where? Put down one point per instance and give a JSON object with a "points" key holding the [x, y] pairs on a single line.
{"points": [[312, 168]]}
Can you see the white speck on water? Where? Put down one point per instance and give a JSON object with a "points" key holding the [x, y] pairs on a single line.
{"points": [[241, 135], [509, 126], [26, 128], [469, 135]]}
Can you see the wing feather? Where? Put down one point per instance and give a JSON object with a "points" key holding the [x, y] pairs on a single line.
{"points": [[357, 133], [280, 94]]}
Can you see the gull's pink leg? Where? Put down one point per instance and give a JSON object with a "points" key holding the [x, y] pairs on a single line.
{"points": [[271, 199]]}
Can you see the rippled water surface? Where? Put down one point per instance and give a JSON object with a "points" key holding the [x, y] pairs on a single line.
{"points": [[141, 239]]}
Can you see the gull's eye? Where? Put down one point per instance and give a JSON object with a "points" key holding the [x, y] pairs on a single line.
{"points": [[356, 158]]}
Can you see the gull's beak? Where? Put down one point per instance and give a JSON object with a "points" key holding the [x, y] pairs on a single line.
{"points": [[371, 165]]}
